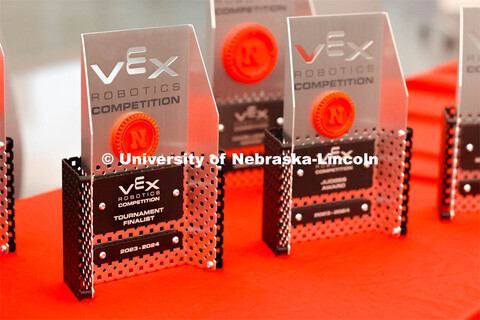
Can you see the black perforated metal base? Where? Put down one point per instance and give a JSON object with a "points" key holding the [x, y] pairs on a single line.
{"points": [[277, 195], [77, 229], [10, 196], [80, 273], [406, 181], [220, 214], [459, 176], [446, 163]]}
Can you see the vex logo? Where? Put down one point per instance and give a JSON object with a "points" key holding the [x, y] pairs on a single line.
{"points": [[252, 113], [335, 46], [335, 151], [475, 39], [136, 65], [139, 184]]}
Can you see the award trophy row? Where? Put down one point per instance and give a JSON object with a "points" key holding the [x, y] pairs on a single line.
{"points": [[286, 84]]}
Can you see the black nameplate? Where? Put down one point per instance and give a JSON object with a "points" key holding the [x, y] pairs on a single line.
{"points": [[244, 124], [470, 147], [330, 211], [470, 187], [137, 198], [138, 246], [320, 179]]}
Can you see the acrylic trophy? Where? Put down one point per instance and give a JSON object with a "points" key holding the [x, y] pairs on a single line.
{"points": [[247, 58], [459, 183], [345, 99], [145, 93]]}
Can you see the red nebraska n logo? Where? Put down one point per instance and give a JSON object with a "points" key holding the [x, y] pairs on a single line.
{"points": [[337, 115], [310, 58], [138, 138]]}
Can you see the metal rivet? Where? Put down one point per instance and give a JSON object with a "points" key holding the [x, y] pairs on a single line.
{"points": [[469, 147], [102, 255], [3, 248], [176, 193], [366, 165], [175, 240], [397, 230], [221, 127], [102, 206], [364, 207], [401, 133], [2, 144], [280, 121], [210, 264], [467, 188], [300, 172], [298, 217]]}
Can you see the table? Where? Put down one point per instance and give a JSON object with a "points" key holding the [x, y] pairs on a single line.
{"points": [[433, 272]]}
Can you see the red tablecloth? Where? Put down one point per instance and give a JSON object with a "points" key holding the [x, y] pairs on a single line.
{"points": [[434, 272]]}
